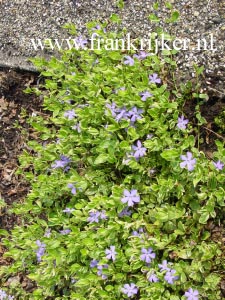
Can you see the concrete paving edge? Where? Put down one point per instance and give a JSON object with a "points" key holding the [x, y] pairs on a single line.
{"points": [[16, 63]]}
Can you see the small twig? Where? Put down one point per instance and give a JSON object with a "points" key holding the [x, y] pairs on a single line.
{"points": [[220, 136], [210, 88]]}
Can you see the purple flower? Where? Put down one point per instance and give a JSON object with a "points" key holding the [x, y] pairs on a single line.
{"points": [[191, 295], [100, 268], [129, 60], [94, 216], [94, 263], [182, 122], [141, 229], [113, 108], [134, 114], [62, 163], [154, 78], [125, 212], [40, 251], [47, 233], [131, 197], [10, 297], [130, 289], [40, 244], [72, 187], [121, 114], [105, 266], [65, 231], [70, 114], [3, 294], [218, 165], [120, 89], [188, 161], [81, 42], [77, 127], [68, 210], [139, 150], [58, 164], [164, 266], [136, 56], [111, 253], [66, 168], [141, 55], [145, 95], [103, 215], [152, 278], [147, 255], [97, 27], [169, 277], [138, 232]]}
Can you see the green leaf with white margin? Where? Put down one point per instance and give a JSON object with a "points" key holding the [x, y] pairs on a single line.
{"points": [[170, 154], [82, 283], [168, 213], [213, 280], [204, 218], [102, 158]]}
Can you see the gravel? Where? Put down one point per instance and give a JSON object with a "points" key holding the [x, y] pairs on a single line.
{"points": [[23, 20]]}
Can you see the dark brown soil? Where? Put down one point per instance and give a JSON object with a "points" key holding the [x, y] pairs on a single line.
{"points": [[13, 104], [209, 110], [13, 134]]}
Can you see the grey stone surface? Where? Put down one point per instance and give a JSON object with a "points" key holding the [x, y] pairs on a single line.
{"points": [[22, 20]]}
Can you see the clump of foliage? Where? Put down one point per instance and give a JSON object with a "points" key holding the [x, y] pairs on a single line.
{"points": [[120, 193], [220, 122]]}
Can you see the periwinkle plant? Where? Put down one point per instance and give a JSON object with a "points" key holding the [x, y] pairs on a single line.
{"points": [[120, 192]]}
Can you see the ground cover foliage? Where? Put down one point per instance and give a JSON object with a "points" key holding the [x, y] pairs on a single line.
{"points": [[120, 191]]}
